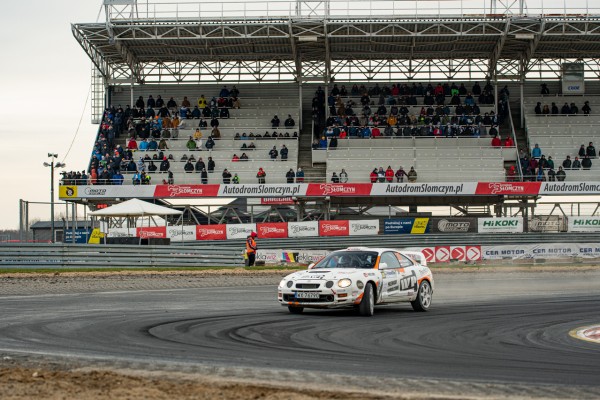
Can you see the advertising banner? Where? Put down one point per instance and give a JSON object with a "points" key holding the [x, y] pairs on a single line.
{"points": [[454, 225], [441, 254], [154, 232], [423, 189], [273, 256], [272, 230], [181, 233], [240, 231], [82, 235], [187, 191], [551, 223], [266, 190], [415, 226], [339, 189], [276, 200], [537, 251], [303, 229], [573, 81], [508, 188], [106, 191], [211, 232], [120, 232], [500, 225], [569, 188], [364, 227], [334, 228], [584, 224]]}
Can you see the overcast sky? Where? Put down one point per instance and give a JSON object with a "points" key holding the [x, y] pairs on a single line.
{"points": [[44, 82]]}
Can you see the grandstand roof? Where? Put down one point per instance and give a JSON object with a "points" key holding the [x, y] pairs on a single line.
{"points": [[146, 40]]}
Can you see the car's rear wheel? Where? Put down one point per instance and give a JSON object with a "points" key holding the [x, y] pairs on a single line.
{"points": [[424, 296], [296, 310], [366, 308]]}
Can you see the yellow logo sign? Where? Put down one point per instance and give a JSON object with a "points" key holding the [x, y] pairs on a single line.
{"points": [[419, 226], [96, 236], [67, 191]]}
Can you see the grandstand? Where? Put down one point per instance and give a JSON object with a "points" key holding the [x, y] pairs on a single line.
{"points": [[279, 55]]}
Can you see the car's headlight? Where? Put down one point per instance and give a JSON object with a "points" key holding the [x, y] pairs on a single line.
{"points": [[290, 283], [282, 283], [344, 283]]}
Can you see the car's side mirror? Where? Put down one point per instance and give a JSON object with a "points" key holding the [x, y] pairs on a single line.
{"points": [[383, 265]]}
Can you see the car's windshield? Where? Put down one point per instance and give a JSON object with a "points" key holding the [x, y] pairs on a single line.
{"points": [[349, 259]]}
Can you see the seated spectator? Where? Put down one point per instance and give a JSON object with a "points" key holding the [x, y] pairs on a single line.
{"points": [[215, 133], [508, 142], [538, 108], [565, 109], [511, 174], [582, 151], [210, 143], [590, 151], [586, 163], [586, 108], [284, 153], [550, 162], [536, 152], [315, 144], [171, 103], [275, 122], [335, 178], [226, 177], [333, 143], [560, 175], [546, 109], [389, 174], [143, 145], [567, 163], [373, 176], [574, 109], [261, 175], [551, 175], [576, 163], [290, 175], [199, 165], [191, 144], [202, 102], [162, 145], [152, 145], [554, 109], [132, 144], [188, 167], [343, 176], [196, 114], [235, 158], [186, 102], [244, 157], [299, 175], [323, 143], [183, 157], [400, 174], [289, 122], [412, 175], [224, 92], [497, 142], [273, 153], [136, 179]]}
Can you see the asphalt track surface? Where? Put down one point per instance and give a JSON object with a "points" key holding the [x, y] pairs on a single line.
{"points": [[482, 328]]}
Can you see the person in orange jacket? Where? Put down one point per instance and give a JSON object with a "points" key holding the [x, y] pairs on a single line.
{"points": [[251, 248]]}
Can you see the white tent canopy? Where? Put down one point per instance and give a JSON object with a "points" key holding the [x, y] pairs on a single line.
{"points": [[135, 208]]}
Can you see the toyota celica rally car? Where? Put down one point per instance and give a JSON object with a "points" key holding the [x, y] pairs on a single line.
{"points": [[360, 277]]}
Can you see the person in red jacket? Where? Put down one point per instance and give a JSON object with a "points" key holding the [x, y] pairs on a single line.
{"points": [[389, 174], [496, 142], [251, 248], [132, 144], [508, 142], [373, 175]]}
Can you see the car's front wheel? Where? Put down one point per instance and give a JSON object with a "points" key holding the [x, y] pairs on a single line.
{"points": [[366, 308], [424, 296], [296, 310]]}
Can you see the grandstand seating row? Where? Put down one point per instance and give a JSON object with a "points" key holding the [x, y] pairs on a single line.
{"points": [[231, 144]]}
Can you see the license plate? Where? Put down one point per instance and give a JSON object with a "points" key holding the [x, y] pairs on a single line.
{"points": [[307, 295]]}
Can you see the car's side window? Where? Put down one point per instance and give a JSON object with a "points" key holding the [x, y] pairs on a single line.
{"points": [[390, 259], [404, 261]]}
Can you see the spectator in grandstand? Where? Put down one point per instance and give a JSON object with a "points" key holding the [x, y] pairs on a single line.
{"points": [[290, 175], [541, 176], [565, 109], [226, 177], [136, 179], [185, 102], [536, 152], [511, 174], [132, 144], [171, 103], [389, 174], [210, 143], [574, 109], [275, 122], [299, 175], [590, 151], [373, 176], [170, 178], [560, 175], [333, 143], [497, 142], [211, 165], [162, 145], [143, 146], [545, 89], [140, 103], [576, 164], [335, 178], [224, 92], [204, 176], [199, 165], [567, 163], [343, 176], [508, 142], [152, 167], [546, 110], [191, 144], [323, 143], [551, 175], [586, 108], [380, 175], [400, 174], [412, 175], [117, 178], [273, 153], [202, 102], [152, 145], [581, 151], [289, 122], [188, 167], [284, 152], [159, 102], [554, 109], [244, 157], [261, 175], [164, 165], [586, 163]]}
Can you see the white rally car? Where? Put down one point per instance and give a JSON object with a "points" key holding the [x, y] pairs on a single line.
{"points": [[360, 277]]}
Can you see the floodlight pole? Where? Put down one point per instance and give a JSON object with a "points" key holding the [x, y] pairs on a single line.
{"points": [[52, 165]]}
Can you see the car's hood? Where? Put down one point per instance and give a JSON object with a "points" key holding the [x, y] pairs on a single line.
{"points": [[324, 274]]}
